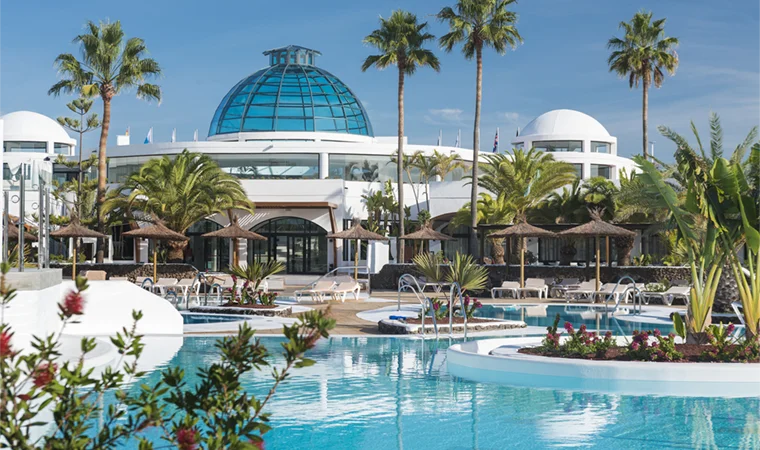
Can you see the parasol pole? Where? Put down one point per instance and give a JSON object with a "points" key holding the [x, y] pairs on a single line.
{"points": [[522, 262], [356, 260], [74, 261], [155, 261], [597, 262], [235, 256], [607, 248]]}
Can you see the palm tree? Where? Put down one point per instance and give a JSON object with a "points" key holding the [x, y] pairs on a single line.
{"points": [[109, 65], [428, 169], [179, 191], [641, 55], [476, 24], [491, 211], [81, 125], [445, 164], [400, 40]]}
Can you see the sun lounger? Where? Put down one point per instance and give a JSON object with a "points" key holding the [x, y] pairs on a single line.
{"points": [[509, 287], [614, 292], [557, 290], [340, 291], [537, 285], [95, 275], [161, 286], [584, 291], [119, 279], [317, 291], [668, 296]]}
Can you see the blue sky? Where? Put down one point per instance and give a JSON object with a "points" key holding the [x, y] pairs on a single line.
{"points": [[206, 47]]}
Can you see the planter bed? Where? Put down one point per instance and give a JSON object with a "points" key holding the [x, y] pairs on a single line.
{"points": [[250, 310], [691, 352], [387, 326]]}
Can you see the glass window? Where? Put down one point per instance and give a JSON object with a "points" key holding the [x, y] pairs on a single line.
{"points": [[362, 168], [578, 170], [598, 170], [62, 149], [559, 146], [20, 146], [270, 166], [600, 147], [519, 145]]}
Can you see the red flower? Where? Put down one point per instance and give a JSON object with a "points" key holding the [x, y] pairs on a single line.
{"points": [[187, 438], [568, 327], [44, 374], [259, 445], [5, 344], [730, 328], [73, 304], [24, 397]]}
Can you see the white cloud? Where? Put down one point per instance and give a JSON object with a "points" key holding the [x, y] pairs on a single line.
{"points": [[445, 116], [509, 117]]}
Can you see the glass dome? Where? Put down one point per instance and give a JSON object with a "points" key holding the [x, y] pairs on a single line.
{"points": [[292, 94]]}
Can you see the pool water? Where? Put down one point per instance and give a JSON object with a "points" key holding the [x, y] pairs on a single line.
{"points": [[393, 393], [594, 317], [188, 318]]}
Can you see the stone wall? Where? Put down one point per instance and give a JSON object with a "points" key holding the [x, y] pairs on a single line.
{"points": [[136, 271]]}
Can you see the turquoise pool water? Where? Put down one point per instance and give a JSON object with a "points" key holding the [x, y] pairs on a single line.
{"points": [[189, 318], [390, 393], [593, 317]]}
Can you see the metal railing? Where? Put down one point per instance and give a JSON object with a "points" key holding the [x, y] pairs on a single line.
{"points": [[349, 270], [635, 291], [462, 309], [408, 282]]}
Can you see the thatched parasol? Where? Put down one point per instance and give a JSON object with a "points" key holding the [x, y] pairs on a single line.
{"points": [[357, 233], [597, 228], [13, 234], [75, 231], [158, 232], [427, 233], [234, 231], [522, 229]]}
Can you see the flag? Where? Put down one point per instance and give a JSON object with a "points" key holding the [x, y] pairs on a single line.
{"points": [[496, 142], [195, 136], [440, 137], [518, 131], [174, 135], [459, 139], [127, 133], [149, 137]]}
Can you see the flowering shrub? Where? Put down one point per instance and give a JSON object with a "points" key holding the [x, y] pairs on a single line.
{"points": [[726, 348], [580, 343], [440, 309], [471, 305], [267, 298], [663, 349], [212, 412]]}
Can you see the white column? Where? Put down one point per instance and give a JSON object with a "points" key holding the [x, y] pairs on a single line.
{"points": [[324, 165]]}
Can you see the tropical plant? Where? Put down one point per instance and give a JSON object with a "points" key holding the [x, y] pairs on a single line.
{"points": [[445, 164], [81, 125], [641, 55], [179, 192], [407, 162], [491, 211], [465, 272], [430, 265], [109, 66], [476, 24], [427, 168], [401, 40], [256, 272], [599, 194], [212, 410], [565, 206]]}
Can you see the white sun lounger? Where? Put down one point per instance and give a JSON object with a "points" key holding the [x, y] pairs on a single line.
{"points": [[584, 291], [667, 297], [537, 285], [509, 287], [558, 290], [161, 287], [317, 292], [344, 288], [614, 291]]}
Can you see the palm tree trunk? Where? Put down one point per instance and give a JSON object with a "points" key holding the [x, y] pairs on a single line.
{"points": [[400, 241], [474, 250], [644, 116], [427, 193], [105, 125]]}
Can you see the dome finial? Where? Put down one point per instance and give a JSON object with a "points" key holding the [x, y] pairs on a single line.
{"points": [[292, 54]]}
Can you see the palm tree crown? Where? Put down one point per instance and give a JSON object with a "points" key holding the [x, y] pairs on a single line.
{"points": [[644, 51], [400, 39], [480, 23]]}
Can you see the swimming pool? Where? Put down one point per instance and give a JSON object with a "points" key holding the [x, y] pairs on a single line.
{"points": [[190, 318], [594, 317], [392, 393]]}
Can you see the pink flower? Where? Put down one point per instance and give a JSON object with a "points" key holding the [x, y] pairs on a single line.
{"points": [[730, 328], [657, 332], [634, 346], [608, 335], [478, 304], [259, 445], [73, 304], [436, 306], [44, 374], [187, 438], [568, 327], [5, 344], [234, 279], [466, 300], [671, 335]]}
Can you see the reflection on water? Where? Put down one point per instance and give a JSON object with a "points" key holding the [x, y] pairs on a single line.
{"points": [[376, 393]]}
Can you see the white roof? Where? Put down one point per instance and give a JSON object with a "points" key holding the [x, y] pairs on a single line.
{"points": [[31, 126], [564, 122]]}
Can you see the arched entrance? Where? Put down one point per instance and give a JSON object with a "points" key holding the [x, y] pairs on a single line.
{"points": [[207, 254], [298, 243]]}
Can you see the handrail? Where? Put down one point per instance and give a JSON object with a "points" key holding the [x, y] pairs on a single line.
{"points": [[636, 294], [462, 309], [405, 284], [142, 285]]}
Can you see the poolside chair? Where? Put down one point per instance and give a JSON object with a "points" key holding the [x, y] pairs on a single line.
{"points": [[584, 291], [161, 287], [509, 287], [119, 279], [613, 291], [344, 288], [317, 291], [558, 290], [95, 275], [668, 296], [537, 285]]}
